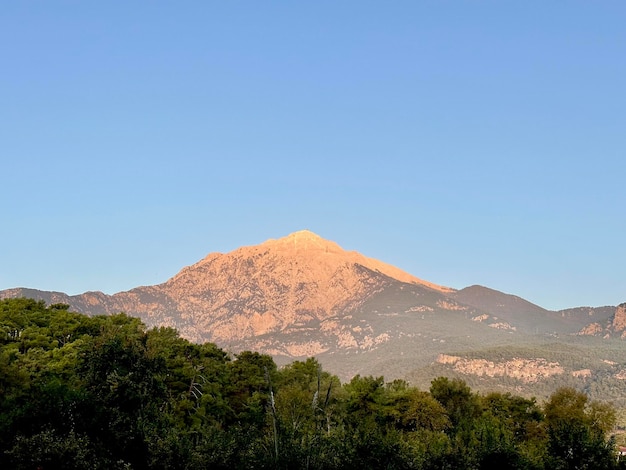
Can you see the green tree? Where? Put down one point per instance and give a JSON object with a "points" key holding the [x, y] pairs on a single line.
{"points": [[462, 406], [306, 407], [577, 430], [126, 390]]}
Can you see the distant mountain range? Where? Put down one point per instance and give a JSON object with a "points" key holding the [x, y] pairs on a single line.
{"points": [[302, 296]]}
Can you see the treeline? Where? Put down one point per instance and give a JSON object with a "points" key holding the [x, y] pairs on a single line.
{"points": [[104, 392]]}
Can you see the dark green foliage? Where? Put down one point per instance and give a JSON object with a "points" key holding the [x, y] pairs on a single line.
{"points": [[80, 392], [576, 432], [49, 449], [457, 398]]}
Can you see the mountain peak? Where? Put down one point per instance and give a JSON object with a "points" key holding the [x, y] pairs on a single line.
{"points": [[304, 234], [304, 240]]}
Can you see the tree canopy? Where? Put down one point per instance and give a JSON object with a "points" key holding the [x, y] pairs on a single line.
{"points": [[105, 392]]}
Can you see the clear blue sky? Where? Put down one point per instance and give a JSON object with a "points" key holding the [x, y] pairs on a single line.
{"points": [[477, 142]]}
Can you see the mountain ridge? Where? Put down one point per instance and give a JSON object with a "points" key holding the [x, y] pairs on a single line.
{"points": [[302, 295]]}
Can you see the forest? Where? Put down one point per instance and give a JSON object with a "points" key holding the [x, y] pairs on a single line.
{"points": [[106, 392]]}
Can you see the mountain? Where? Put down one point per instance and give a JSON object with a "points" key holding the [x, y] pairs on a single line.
{"points": [[529, 317], [302, 295], [279, 286]]}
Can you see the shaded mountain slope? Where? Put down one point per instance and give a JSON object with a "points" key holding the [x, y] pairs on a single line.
{"points": [[498, 303], [517, 312]]}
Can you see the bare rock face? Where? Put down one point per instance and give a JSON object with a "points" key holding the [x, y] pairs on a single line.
{"points": [[593, 329], [269, 287], [619, 320], [522, 369]]}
